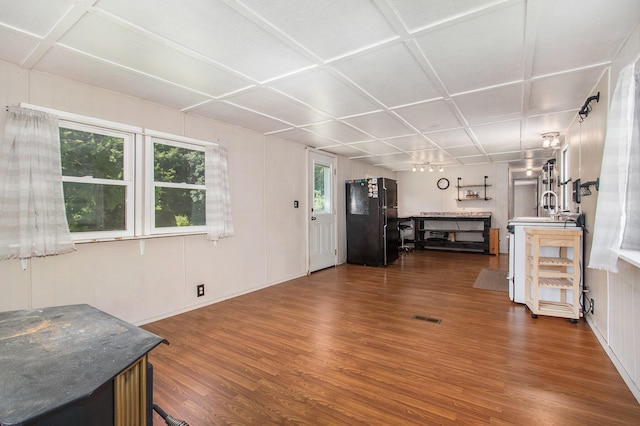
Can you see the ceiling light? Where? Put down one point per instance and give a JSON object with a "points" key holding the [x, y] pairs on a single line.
{"points": [[550, 139], [422, 168], [430, 168], [529, 172], [441, 169], [414, 168]]}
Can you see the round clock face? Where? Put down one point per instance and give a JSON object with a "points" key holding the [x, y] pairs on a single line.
{"points": [[443, 183]]}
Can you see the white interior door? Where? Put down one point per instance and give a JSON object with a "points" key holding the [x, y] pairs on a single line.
{"points": [[322, 215]]}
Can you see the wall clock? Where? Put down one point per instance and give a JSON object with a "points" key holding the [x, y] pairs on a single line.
{"points": [[443, 183]]}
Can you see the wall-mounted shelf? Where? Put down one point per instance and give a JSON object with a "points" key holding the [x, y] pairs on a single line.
{"points": [[471, 195]]}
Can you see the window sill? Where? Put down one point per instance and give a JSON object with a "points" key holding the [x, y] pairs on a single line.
{"points": [[630, 256], [139, 237]]}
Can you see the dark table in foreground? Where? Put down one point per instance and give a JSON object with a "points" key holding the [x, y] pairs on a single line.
{"points": [[72, 363]]}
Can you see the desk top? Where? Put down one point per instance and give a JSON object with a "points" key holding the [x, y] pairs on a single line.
{"points": [[53, 356], [455, 215]]}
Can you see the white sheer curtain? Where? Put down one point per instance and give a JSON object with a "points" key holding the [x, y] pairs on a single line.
{"points": [[616, 221], [219, 220], [32, 214]]}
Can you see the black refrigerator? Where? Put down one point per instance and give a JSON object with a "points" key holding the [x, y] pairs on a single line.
{"points": [[372, 221]]}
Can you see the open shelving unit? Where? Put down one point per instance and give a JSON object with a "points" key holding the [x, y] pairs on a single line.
{"points": [[452, 232], [467, 197], [560, 272]]}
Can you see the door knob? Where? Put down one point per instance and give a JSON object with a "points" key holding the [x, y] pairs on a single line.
{"points": [[313, 218]]}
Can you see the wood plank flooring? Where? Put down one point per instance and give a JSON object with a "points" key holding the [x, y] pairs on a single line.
{"points": [[342, 347]]}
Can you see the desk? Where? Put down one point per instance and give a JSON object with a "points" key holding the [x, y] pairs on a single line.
{"points": [[464, 231]]}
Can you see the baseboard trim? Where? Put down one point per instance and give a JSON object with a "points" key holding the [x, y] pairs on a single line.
{"points": [[633, 387]]}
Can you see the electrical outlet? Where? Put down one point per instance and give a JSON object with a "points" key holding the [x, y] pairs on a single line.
{"points": [[592, 306], [200, 290]]}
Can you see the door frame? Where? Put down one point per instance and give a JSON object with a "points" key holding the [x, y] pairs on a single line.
{"points": [[308, 191]]}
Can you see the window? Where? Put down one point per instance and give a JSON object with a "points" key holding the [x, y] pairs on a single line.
{"points": [[177, 191], [122, 181], [321, 189], [564, 179], [97, 176]]}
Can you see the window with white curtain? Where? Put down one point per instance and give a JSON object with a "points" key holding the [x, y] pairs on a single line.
{"points": [[97, 179], [120, 181], [176, 190]]}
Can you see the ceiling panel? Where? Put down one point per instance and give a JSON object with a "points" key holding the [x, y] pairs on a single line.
{"points": [[227, 113], [275, 104], [487, 50], [150, 56], [327, 93], [505, 133], [15, 47], [410, 143], [374, 70], [338, 131], [505, 157], [215, 30], [375, 147], [329, 29], [562, 92], [450, 138], [464, 151], [470, 161], [33, 16], [500, 103], [432, 156], [416, 16], [379, 124], [429, 116], [591, 33], [60, 61], [305, 137], [345, 150]]}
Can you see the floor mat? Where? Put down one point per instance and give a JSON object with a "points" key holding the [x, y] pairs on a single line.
{"points": [[492, 279]]}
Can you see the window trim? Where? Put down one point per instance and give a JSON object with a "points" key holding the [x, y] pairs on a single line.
{"points": [[128, 171], [150, 186], [141, 214]]}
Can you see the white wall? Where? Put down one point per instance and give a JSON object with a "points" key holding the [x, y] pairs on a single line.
{"points": [[266, 175], [615, 321], [417, 192]]}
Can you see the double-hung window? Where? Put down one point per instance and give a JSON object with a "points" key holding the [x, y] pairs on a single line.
{"points": [[97, 176], [176, 191]]}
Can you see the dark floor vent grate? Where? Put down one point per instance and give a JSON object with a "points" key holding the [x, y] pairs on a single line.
{"points": [[427, 319]]}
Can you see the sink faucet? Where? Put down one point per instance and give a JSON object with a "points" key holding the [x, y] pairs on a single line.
{"points": [[552, 209]]}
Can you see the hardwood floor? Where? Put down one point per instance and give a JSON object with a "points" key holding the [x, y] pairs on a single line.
{"points": [[341, 347]]}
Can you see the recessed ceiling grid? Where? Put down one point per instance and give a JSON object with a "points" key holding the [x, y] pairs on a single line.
{"points": [[390, 82]]}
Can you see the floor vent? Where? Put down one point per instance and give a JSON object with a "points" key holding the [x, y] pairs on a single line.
{"points": [[427, 319]]}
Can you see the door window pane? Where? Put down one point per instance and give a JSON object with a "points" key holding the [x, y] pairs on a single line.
{"points": [[321, 189]]}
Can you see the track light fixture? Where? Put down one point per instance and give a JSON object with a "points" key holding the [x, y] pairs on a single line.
{"points": [[422, 167]]}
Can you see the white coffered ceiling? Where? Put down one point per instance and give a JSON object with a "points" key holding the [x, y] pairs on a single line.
{"points": [[391, 82]]}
